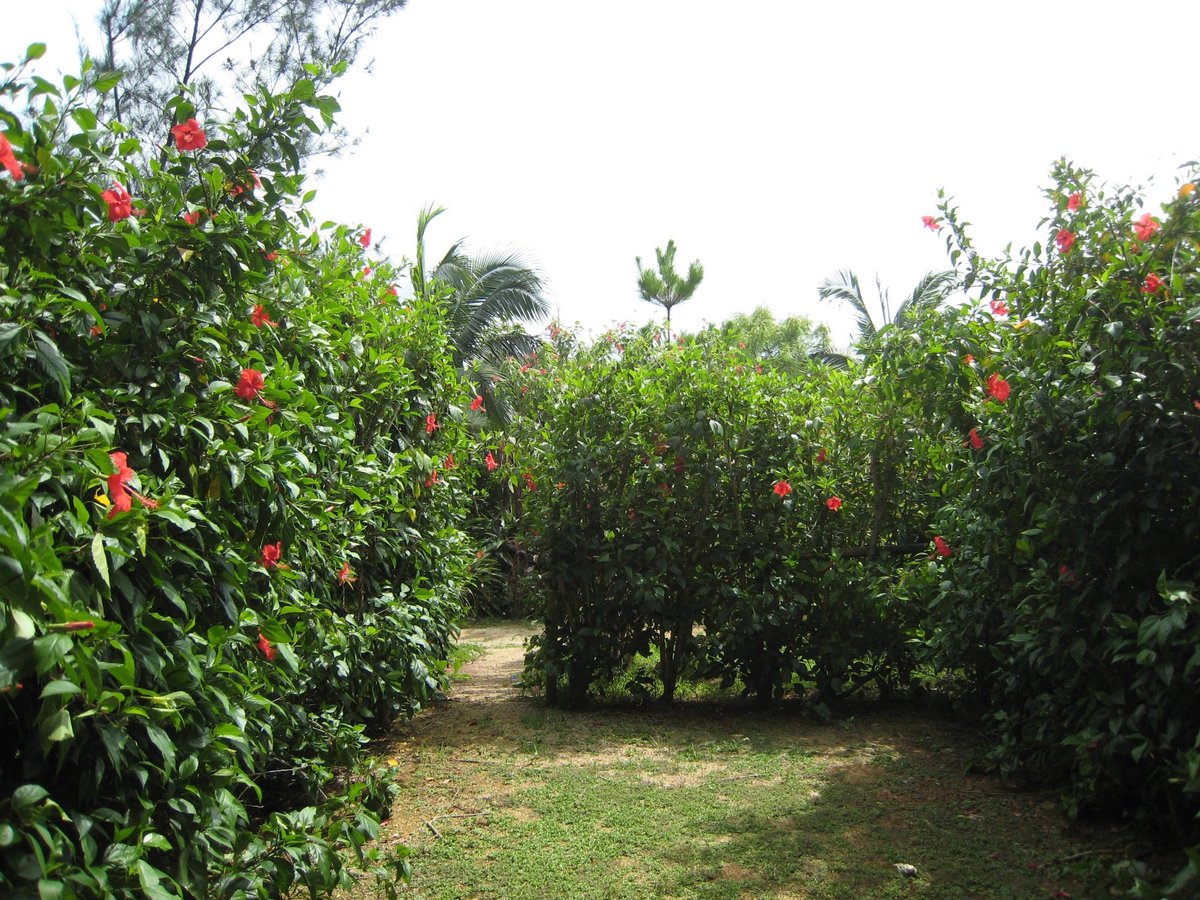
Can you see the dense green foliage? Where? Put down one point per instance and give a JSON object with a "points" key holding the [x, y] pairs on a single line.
{"points": [[230, 536], [232, 527], [1020, 505]]}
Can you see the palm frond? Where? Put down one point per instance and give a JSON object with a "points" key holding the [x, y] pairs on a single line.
{"points": [[844, 288], [930, 292]]}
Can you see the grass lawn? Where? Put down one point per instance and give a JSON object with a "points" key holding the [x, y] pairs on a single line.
{"points": [[503, 798]]}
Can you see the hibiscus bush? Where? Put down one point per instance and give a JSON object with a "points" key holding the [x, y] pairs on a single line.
{"points": [[226, 549], [1072, 590], [690, 503]]}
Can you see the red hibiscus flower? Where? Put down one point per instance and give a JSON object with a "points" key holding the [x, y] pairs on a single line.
{"points": [[259, 317], [189, 136], [998, 387], [678, 464], [834, 503], [8, 159], [490, 460], [97, 330], [345, 575], [1153, 284], [249, 384], [782, 488], [932, 223], [193, 217], [941, 547], [271, 554], [84, 625], [999, 308], [120, 204], [366, 271], [1145, 226], [449, 464], [431, 424], [265, 646], [530, 484], [392, 290], [120, 494], [432, 479], [477, 403], [1065, 240], [365, 239], [974, 438], [1075, 201], [821, 455], [969, 359]]}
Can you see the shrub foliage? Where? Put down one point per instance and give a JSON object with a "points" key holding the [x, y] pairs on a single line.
{"points": [[223, 549]]}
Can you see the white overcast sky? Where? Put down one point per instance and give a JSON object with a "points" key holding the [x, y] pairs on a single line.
{"points": [[776, 142]]}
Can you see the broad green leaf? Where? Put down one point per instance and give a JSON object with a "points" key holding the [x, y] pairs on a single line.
{"points": [[100, 558]]}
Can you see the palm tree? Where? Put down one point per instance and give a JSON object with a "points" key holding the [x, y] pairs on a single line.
{"points": [[930, 291], [483, 296], [665, 287]]}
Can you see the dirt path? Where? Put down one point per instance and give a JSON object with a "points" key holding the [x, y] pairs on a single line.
{"points": [[491, 678]]}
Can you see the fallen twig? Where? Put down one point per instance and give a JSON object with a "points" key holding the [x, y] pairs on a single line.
{"points": [[1083, 854], [437, 834]]}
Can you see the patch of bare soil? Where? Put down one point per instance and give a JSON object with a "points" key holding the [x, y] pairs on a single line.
{"points": [[481, 706]]}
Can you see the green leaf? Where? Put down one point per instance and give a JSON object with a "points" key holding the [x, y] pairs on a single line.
{"points": [[57, 727], [34, 51], [151, 879], [49, 651], [59, 687], [8, 333], [106, 82], [100, 558], [27, 795]]}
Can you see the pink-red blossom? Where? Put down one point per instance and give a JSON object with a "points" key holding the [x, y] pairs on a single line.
{"points": [[782, 488], [431, 424], [8, 159], [193, 217], [120, 204], [1065, 240], [997, 387], [477, 403], [120, 494], [490, 460], [975, 440], [249, 384], [259, 317], [932, 223], [941, 547], [821, 455], [365, 238], [1153, 284], [265, 646], [1145, 226], [345, 574], [189, 136], [999, 308], [834, 503], [271, 554], [82, 625], [1075, 201]]}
